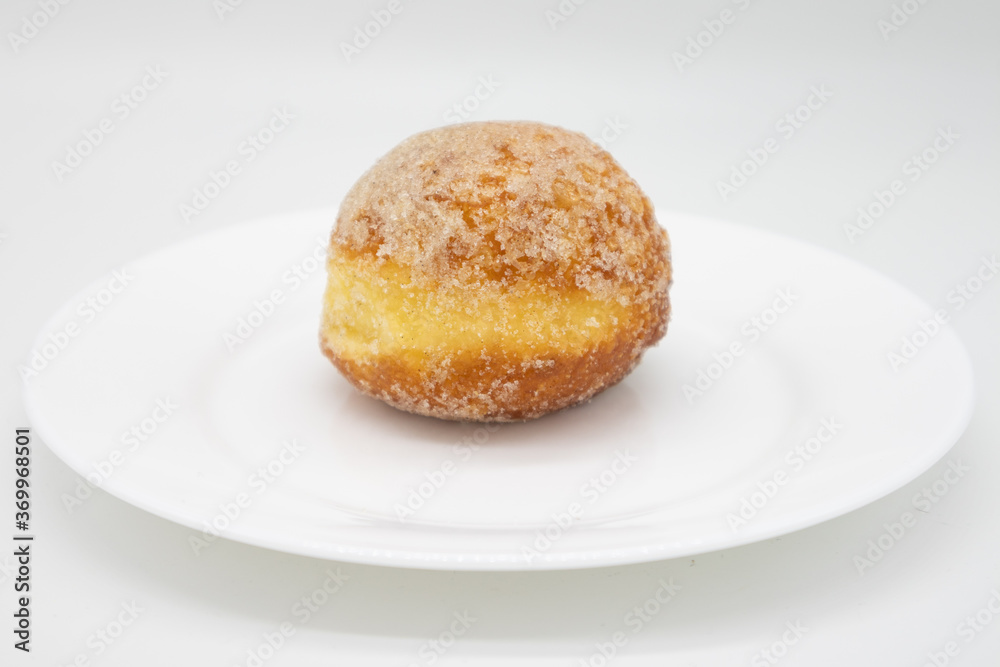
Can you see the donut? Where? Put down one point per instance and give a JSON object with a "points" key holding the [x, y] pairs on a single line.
{"points": [[493, 271]]}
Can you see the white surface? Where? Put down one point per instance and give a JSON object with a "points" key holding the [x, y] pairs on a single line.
{"points": [[705, 446], [685, 132]]}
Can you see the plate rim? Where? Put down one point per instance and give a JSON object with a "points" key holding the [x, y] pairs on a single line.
{"points": [[588, 558]]}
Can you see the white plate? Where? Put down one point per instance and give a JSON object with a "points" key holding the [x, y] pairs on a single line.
{"points": [[684, 465]]}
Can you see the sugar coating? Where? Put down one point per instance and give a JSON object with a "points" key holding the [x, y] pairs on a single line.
{"points": [[494, 202], [475, 265]]}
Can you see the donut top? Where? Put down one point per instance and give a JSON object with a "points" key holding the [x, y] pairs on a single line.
{"points": [[492, 204]]}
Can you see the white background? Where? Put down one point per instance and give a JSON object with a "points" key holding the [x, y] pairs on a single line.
{"points": [[686, 128]]}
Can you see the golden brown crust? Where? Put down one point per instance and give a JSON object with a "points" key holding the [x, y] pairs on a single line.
{"points": [[493, 387], [490, 203], [471, 219]]}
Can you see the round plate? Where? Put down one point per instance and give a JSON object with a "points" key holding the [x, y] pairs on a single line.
{"points": [[190, 384]]}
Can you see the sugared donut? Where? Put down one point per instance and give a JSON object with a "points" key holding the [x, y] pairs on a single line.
{"points": [[494, 271]]}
